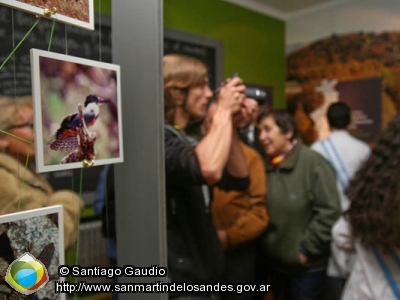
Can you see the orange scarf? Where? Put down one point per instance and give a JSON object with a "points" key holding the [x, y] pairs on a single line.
{"points": [[277, 160]]}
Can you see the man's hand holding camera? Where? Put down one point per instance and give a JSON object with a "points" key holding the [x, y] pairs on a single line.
{"points": [[232, 95]]}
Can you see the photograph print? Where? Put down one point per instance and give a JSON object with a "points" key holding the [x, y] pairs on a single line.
{"points": [[77, 106], [77, 12], [38, 235]]}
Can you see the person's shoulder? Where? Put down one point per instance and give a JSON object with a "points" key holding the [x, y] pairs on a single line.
{"points": [[343, 138], [313, 156], [346, 136], [359, 145], [170, 133], [310, 152], [248, 150], [316, 146], [252, 155]]}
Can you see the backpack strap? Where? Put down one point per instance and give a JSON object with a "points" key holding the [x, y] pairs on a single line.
{"points": [[174, 130], [396, 258], [179, 133], [388, 273]]}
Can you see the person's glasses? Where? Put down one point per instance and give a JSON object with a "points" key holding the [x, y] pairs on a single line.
{"points": [[21, 126]]}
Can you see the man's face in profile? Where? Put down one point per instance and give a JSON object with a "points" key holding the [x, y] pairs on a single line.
{"points": [[197, 100]]}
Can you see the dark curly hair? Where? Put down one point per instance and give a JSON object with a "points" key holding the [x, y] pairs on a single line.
{"points": [[374, 192]]}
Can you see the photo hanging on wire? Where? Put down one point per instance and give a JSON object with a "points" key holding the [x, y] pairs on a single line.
{"points": [[32, 249], [75, 13], [77, 111]]}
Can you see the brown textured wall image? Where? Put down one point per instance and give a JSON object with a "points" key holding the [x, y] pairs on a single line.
{"points": [[352, 56]]}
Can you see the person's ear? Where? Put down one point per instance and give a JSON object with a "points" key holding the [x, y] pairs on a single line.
{"points": [[289, 134]]}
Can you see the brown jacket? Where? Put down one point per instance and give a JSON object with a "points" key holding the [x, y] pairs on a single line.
{"points": [[32, 191], [243, 215]]}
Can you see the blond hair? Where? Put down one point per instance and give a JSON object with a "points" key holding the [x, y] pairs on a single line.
{"points": [[180, 73]]}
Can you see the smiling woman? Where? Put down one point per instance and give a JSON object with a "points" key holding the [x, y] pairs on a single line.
{"points": [[303, 204]]}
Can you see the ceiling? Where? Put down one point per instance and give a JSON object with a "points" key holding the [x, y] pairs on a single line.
{"points": [[285, 9]]}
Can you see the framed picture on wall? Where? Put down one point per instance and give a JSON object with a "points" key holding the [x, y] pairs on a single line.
{"points": [[32, 248], [77, 107], [77, 13], [364, 97]]}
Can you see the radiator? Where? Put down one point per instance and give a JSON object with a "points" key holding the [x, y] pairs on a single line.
{"points": [[92, 249]]}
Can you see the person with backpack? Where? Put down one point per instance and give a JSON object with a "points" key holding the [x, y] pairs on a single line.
{"points": [[195, 254], [346, 153]]}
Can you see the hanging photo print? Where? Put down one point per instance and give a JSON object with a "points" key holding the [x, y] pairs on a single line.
{"points": [[77, 13], [31, 250], [77, 106]]}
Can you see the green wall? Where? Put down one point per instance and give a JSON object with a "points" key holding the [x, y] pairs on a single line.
{"points": [[102, 6], [253, 44]]}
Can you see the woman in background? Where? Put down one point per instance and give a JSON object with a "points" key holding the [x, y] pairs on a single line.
{"points": [[21, 188], [303, 204], [371, 226]]}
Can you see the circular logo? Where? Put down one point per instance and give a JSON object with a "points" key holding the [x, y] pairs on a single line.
{"points": [[27, 274]]}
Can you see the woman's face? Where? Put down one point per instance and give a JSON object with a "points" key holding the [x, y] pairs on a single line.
{"points": [[23, 128], [271, 137]]}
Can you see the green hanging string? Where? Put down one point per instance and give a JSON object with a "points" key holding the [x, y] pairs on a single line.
{"points": [[19, 44], [15, 136], [51, 35]]}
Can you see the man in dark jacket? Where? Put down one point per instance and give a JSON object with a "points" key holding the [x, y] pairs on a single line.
{"points": [[195, 254]]}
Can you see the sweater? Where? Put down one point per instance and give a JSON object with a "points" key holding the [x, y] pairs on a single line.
{"points": [[243, 214], [30, 190]]}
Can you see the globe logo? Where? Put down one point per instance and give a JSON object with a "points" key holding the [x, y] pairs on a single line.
{"points": [[27, 274]]}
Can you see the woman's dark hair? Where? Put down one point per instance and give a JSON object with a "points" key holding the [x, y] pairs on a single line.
{"points": [[374, 192], [285, 121]]}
